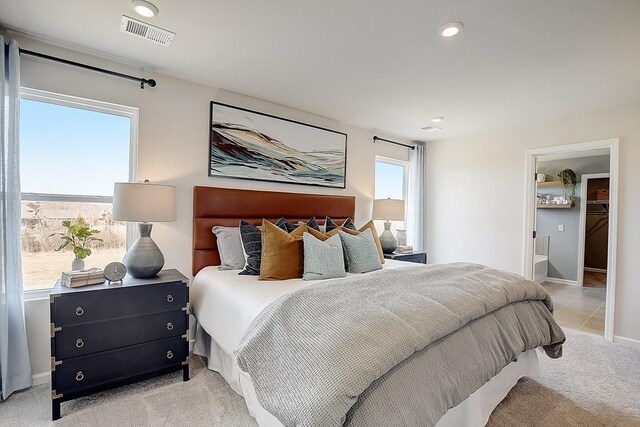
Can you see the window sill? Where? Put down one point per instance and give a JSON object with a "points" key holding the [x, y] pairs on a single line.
{"points": [[37, 294]]}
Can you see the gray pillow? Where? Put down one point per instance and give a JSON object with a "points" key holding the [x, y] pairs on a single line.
{"points": [[323, 260], [230, 247], [361, 253]]}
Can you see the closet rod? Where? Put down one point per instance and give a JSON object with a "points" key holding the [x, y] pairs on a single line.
{"points": [[142, 80], [376, 138]]}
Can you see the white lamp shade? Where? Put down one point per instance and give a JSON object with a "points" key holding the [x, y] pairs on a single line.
{"points": [[143, 202], [388, 209]]}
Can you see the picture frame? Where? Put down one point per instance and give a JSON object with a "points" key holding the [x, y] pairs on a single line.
{"points": [[252, 145]]}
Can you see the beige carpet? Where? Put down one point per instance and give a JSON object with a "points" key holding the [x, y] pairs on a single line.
{"points": [[594, 384]]}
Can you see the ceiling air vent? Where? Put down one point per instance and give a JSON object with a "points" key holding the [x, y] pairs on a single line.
{"points": [[146, 31], [432, 128]]}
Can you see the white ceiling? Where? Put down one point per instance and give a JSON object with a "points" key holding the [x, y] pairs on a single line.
{"points": [[378, 64]]}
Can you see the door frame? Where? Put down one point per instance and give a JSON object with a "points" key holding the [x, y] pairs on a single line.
{"points": [[531, 157], [582, 228]]}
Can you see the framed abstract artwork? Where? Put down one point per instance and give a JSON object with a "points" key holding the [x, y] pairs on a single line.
{"points": [[248, 144]]}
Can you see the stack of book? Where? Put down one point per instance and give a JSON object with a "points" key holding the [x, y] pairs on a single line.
{"points": [[404, 249], [74, 279]]}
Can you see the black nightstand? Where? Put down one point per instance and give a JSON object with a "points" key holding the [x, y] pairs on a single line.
{"points": [[105, 336], [417, 257]]}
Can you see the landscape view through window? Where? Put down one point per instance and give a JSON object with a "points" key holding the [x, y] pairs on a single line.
{"points": [[70, 158], [390, 183]]}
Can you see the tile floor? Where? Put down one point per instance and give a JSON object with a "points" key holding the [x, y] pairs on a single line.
{"points": [[579, 308]]}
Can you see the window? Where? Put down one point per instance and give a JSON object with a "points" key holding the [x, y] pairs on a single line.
{"points": [[391, 181], [71, 153]]}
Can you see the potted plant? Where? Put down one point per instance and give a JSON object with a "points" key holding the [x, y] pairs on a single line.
{"points": [[568, 178], [79, 236]]}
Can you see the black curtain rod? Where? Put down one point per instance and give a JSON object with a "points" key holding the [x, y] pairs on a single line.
{"points": [[143, 81], [377, 138]]}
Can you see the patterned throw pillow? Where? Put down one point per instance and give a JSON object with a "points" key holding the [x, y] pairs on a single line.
{"points": [[290, 226], [229, 247], [330, 225], [371, 226], [323, 259], [251, 237], [361, 253]]}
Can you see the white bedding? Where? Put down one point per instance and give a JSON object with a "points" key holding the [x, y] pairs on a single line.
{"points": [[225, 304]]}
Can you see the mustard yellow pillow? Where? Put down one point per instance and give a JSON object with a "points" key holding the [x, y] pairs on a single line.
{"points": [[282, 252], [323, 236]]}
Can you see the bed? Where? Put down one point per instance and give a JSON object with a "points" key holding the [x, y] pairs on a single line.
{"points": [[231, 309]]}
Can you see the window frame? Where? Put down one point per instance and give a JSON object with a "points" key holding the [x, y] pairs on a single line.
{"points": [[405, 178], [132, 113]]}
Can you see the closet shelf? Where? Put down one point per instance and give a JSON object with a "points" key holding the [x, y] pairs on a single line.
{"points": [[597, 202], [552, 206], [550, 184]]}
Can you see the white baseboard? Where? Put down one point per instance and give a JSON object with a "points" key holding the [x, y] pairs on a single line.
{"points": [[562, 281], [628, 342], [596, 270], [41, 378], [540, 278]]}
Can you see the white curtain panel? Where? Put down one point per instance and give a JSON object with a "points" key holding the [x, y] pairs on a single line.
{"points": [[15, 367], [416, 199]]}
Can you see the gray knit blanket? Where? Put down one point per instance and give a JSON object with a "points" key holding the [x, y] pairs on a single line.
{"points": [[393, 348]]}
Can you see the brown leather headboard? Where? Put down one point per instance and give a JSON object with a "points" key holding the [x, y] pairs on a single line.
{"points": [[224, 206]]}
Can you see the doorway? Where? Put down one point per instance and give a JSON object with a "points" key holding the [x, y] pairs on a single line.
{"points": [[557, 229]]}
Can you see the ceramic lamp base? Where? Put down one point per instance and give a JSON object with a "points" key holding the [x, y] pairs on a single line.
{"points": [[387, 241], [144, 259]]}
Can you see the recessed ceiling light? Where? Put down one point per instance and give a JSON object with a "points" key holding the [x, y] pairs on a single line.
{"points": [[437, 119], [144, 8], [451, 29]]}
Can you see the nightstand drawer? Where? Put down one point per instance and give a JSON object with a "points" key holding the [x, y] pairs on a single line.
{"points": [[78, 340], [89, 371], [113, 303]]}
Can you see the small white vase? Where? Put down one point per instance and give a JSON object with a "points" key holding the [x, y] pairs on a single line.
{"points": [[401, 237], [77, 264]]}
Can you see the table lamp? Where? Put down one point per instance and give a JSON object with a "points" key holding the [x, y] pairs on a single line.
{"points": [[144, 203], [388, 210]]}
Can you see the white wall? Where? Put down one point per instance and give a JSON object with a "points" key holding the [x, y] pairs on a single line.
{"points": [[173, 148], [475, 197]]}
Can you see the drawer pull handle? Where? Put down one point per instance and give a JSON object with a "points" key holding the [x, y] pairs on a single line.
{"points": [[79, 343], [169, 326], [169, 298], [79, 376], [79, 311], [169, 354]]}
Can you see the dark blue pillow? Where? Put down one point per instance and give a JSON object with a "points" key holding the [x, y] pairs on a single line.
{"points": [[251, 237], [290, 226], [330, 225]]}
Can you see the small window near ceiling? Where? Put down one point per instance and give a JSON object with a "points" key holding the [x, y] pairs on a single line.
{"points": [[71, 153], [391, 182]]}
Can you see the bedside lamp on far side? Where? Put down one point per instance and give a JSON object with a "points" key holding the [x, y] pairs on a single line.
{"points": [[144, 203], [388, 210]]}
